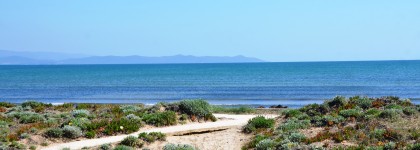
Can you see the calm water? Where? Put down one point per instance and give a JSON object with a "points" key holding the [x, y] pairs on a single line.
{"points": [[293, 84]]}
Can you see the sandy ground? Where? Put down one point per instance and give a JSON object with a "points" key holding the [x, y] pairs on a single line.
{"points": [[227, 139]]}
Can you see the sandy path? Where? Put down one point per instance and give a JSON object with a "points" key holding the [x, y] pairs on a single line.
{"points": [[230, 122]]}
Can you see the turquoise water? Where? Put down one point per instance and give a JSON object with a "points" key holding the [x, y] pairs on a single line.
{"points": [[293, 84]]}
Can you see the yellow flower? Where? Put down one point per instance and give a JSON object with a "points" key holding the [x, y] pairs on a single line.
{"points": [[70, 123], [121, 127]]}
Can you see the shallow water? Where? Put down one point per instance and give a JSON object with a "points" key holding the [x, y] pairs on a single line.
{"points": [[292, 84]]}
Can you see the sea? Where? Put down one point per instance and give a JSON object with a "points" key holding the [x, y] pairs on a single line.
{"points": [[290, 83]]}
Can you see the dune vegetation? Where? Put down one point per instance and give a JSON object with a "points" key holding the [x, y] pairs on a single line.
{"points": [[32, 124], [341, 123]]}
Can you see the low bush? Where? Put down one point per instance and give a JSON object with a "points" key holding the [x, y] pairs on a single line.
{"points": [[31, 118], [297, 137], [390, 146], [327, 120], [257, 138], [132, 141], [32, 147], [123, 147], [130, 108], [171, 146], [393, 106], [266, 144], [294, 124], [53, 133], [356, 112], [415, 146], [80, 113], [105, 147], [72, 132], [409, 111], [4, 124], [291, 113], [336, 102], [391, 113], [133, 117], [90, 134], [234, 110], [314, 109], [122, 125], [363, 102], [161, 118], [34, 104], [258, 123], [198, 108], [82, 123], [7, 104], [378, 134], [152, 136]]}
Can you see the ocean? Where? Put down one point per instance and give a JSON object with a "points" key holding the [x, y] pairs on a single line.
{"points": [[293, 84]]}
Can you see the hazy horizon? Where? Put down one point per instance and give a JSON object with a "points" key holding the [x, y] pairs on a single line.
{"points": [[276, 31]]}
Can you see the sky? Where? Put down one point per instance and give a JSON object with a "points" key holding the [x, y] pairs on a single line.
{"points": [[272, 30]]}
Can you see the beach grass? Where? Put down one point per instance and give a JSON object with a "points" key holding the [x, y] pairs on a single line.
{"points": [[34, 123], [344, 123]]}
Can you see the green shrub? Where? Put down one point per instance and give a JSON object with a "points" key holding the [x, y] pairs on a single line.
{"points": [[294, 124], [32, 147], [90, 134], [258, 123], [183, 117], [34, 104], [31, 118], [288, 145], [122, 125], [393, 106], [152, 136], [123, 147], [7, 104], [238, 110], [415, 146], [130, 108], [133, 117], [161, 118], [266, 144], [356, 112], [297, 137], [314, 109], [131, 141], [171, 146], [327, 120], [364, 102], [336, 102], [198, 108], [72, 132], [373, 111], [409, 111], [105, 147], [391, 113], [80, 113], [378, 134], [256, 140], [4, 124], [82, 123], [389, 146], [291, 113], [83, 106], [16, 145]]}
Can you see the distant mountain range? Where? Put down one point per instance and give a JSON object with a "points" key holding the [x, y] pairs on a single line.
{"points": [[38, 58]]}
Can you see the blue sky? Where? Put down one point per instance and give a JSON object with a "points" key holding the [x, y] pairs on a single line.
{"points": [[273, 30]]}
